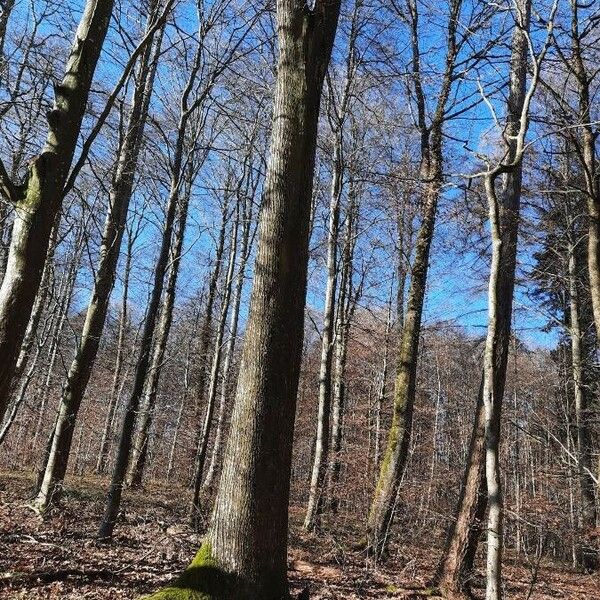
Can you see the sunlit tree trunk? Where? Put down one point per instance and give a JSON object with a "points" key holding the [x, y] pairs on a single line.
{"points": [[118, 367], [394, 459], [231, 342], [588, 155], [188, 107], [315, 498], [244, 554], [482, 476], [87, 349], [37, 201], [587, 558], [346, 304]]}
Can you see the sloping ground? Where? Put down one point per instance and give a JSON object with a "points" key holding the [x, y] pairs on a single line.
{"points": [[60, 558]]}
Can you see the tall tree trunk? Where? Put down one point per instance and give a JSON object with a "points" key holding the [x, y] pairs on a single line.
{"points": [[215, 366], [113, 499], [504, 226], [312, 519], [206, 331], [587, 558], [38, 200], [140, 446], [230, 348], [396, 452], [86, 352], [347, 299], [394, 461], [244, 555], [6, 8], [205, 342], [481, 482], [118, 368], [589, 159], [63, 305], [382, 389], [184, 396]]}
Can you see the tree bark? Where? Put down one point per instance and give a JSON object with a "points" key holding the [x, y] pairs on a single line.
{"points": [[394, 461], [587, 556], [244, 555], [481, 483], [589, 160], [216, 365], [314, 509], [38, 200], [347, 300], [6, 6], [85, 354], [116, 382], [140, 446], [113, 499], [230, 348]]}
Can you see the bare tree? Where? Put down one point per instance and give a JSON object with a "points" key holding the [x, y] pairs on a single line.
{"points": [[245, 552], [37, 201]]}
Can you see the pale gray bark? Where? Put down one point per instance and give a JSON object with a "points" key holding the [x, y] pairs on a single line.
{"points": [[315, 498], [587, 558], [246, 246], [346, 304]]}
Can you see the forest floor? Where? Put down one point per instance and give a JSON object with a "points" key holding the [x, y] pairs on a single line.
{"points": [[60, 557]]}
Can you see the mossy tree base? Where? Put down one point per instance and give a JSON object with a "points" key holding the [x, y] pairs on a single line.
{"points": [[202, 580]]}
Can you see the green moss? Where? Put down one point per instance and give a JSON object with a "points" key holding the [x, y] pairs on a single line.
{"points": [[202, 580]]}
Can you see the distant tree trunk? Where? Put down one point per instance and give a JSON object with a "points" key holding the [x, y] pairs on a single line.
{"points": [[394, 461], [6, 6], [206, 333], [345, 308], [118, 368], [589, 159], [312, 519], [215, 366], [338, 111], [85, 354], [230, 348], [207, 323], [382, 389], [140, 445], [39, 199], [113, 499], [62, 307], [482, 473], [588, 557], [244, 555], [184, 396]]}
